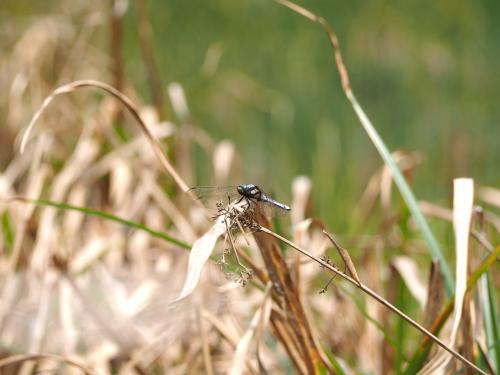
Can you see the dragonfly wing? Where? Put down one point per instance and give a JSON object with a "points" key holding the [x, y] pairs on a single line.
{"points": [[211, 195]]}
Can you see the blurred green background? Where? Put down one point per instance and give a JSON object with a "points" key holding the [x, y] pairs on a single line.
{"points": [[425, 72]]}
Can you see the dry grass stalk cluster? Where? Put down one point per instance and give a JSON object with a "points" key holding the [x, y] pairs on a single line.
{"points": [[97, 295]]}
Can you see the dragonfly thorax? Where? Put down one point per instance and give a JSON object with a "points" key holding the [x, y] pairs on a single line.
{"points": [[249, 191]]}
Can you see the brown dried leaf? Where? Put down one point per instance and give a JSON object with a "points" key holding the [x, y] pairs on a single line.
{"points": [[345, 257], [435, 295]]}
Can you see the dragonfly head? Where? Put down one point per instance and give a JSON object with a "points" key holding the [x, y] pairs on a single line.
{"points": [[249, 191]]}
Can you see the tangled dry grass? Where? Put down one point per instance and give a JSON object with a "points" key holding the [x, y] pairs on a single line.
{"points": [[97, 218]]}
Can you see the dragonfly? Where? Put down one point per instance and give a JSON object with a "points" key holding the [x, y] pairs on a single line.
{"points": [[214, 197]]}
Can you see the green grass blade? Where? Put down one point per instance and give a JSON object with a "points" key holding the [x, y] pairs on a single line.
{"points": [[8, 231], [491, 324], [379, 144], [111, 217], [367, 316], [406, 193], [339, 370]]}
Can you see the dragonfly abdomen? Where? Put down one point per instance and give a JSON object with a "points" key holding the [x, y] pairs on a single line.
{"points": [[269, 200]]}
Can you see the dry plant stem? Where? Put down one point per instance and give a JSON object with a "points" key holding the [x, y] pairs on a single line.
{"points": [[435, 295], [264, 318], [233, 246], [125, 345], [116, 43], [482, 240], [345, 257], [433, 210], [222, 329], [283, 334], [146, 38], [207, 359], [440, 320], [285, 288], [243, 233], [467, 332], [44, 356], [374, 295], [135, 114], [257, 271]]}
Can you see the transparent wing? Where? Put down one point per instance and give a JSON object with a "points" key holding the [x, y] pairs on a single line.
{"points": [[211, 195]]}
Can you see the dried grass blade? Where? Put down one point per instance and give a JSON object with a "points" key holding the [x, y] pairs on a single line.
{"points": [[301, 188], [41, 356], [434, 295], [222, 160], [200, 252], [462, 211], [128, 104], [421, 354], [283, 284], [345, 257], [264, 319], [227, 331], [240, 356], [284, 334], [490, 195], [468, 332], [429, 335], [207, 358]]}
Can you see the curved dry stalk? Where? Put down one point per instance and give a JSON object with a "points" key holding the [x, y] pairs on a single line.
{"points": [[38, 356], [375, 296], [129, 104]]}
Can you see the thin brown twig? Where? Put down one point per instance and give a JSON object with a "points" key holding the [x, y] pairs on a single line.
{"points": [[116, 45], [375, 296], [146, 42]]}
